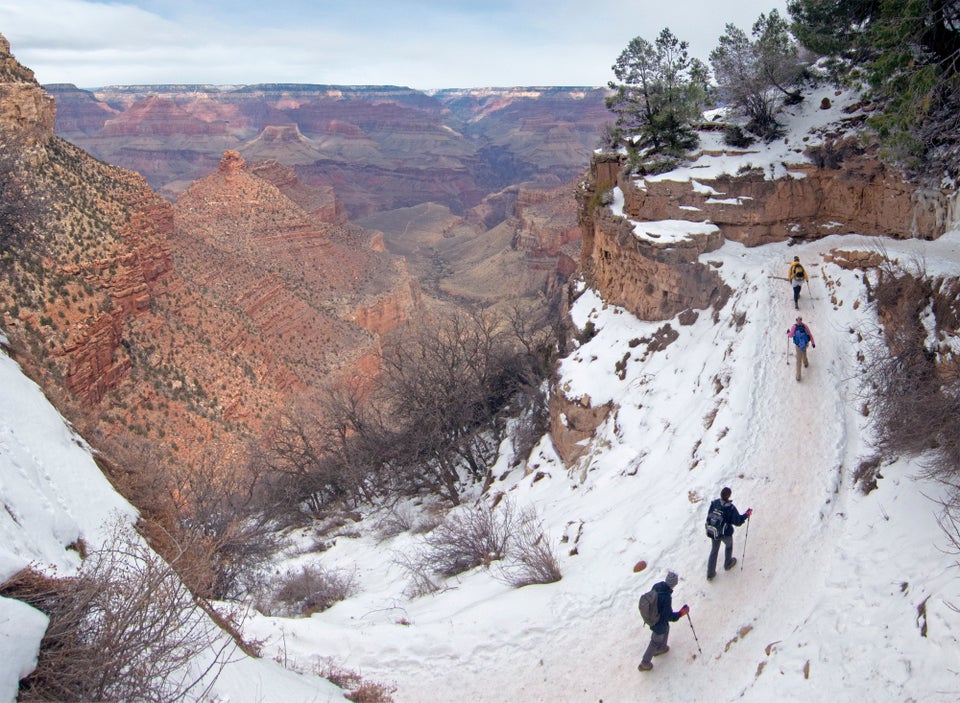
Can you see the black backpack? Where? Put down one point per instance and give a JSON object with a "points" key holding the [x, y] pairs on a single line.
{"points": [[715, 522], [798, 272], [649, 607]]}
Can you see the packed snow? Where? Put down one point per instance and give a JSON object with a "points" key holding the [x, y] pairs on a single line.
{"points": [[837, 593]]}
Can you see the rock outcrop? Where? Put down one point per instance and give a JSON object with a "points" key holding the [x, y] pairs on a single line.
{"points": [[26, 110], [863, 196], [323, 293]]}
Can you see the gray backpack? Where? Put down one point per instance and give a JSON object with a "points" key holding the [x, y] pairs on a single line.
{"points": [[648, 607]]}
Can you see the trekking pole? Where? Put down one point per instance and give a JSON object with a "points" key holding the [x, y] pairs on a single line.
{"points": [[788, 350], [694, 634], [807, 281], [746, 536]]}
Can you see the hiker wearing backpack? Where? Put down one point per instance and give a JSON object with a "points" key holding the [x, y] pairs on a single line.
{"points": [[796, 276], [802, 337], [722, 517], [664, 616]]}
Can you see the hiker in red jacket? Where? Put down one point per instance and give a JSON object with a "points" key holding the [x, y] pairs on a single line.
{"points": [[801, 336]]}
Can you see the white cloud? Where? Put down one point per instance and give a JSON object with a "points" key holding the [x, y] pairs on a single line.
{"points": [[424, 44]]}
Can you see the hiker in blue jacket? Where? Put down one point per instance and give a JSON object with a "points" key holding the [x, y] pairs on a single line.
{"points": [[661, 630], [802, 337], [731, 518]]}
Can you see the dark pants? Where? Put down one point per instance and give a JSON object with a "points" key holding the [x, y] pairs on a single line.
{"points": [[657, 643], [796, 291], [715, 551]]}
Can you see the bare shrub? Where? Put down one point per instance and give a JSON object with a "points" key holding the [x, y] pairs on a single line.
{"points": [[201, 517], [469, 538], [124, 628], [310, 590], [420, 577], [360, 690], [533, 559], [404, 518], [915, 406]]}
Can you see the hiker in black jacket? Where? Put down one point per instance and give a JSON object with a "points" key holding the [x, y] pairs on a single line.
{"points": [[661, 630], [731, 518]]}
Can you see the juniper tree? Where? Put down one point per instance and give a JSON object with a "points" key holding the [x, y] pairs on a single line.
{"points": [[757, 75], [660, 91]]}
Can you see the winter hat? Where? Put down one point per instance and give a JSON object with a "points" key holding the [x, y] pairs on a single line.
{"points": [[671, 579], [796, 258]]}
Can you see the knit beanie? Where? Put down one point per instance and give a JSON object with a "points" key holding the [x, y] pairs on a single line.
{"points": [[672, 579]]}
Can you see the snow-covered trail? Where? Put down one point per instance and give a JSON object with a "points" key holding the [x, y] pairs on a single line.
{"points": [[581, 639], [793, 448], [718, 406]]}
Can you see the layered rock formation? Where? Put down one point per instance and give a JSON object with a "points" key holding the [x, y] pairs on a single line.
{"points": [[26, 110], [182, 331], [379, 147], [323, 293], [859, 194]]}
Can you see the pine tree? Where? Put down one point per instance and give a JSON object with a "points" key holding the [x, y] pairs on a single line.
{"points": [[661, 91], [757, 75], [909, 52]]}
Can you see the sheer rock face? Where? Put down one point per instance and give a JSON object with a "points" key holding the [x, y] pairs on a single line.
{"points": [[863, 196], [25, 108]]}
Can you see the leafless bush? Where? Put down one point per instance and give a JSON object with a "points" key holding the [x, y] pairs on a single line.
{"points": [[126, 628], [914, 405], [533, 559], [420, 577], [360, 690], [310, 590], [405, 518], [469, 538]]}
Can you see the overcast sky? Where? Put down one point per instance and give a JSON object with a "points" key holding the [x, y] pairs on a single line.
{"points": [[421, 44]]}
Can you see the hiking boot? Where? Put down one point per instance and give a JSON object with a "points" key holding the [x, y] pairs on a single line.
{"points": [[645, 666], [710, 577], [666, 648], [733, 562]]}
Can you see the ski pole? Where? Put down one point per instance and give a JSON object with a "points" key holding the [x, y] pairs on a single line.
{"points": [[746, 536], [694, 634]]}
